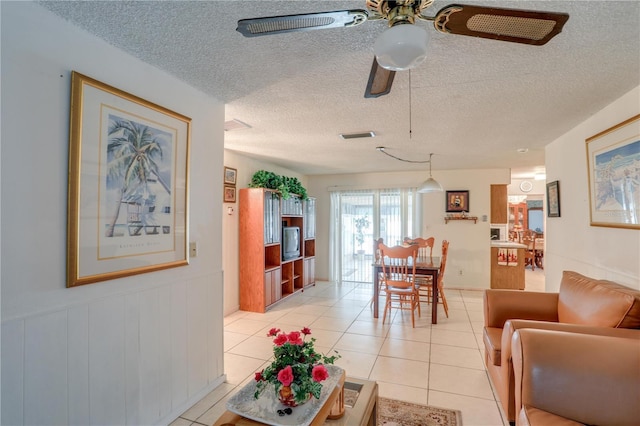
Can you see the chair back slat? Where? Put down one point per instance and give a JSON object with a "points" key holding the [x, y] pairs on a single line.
{"points": [[398, 265], [425, 245]]}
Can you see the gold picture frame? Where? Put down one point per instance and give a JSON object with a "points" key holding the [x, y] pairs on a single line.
{"points": [[613, 164], [128, 184], [229, 194], [230, 175]]}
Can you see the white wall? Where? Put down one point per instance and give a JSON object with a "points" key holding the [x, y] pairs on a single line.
{"points": [[246, 168], [469, 248], [572, 244], [137, 350]]}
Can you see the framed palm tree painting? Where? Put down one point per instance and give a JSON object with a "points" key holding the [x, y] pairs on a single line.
{"points": [[128, 184]]}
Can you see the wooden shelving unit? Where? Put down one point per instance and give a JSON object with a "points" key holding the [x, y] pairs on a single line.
{"points": [[265, 278], [473, 218]]}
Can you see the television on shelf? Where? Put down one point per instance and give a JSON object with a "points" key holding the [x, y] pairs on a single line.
{"points": [[290, 242]]}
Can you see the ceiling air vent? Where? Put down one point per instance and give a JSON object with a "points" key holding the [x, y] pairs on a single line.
{"points": [[235, 125], [357, 135]]}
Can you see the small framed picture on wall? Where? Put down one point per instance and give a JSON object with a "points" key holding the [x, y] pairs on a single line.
{"points": [[230, 175], [553, 199], [457, 201], [229, 194]]}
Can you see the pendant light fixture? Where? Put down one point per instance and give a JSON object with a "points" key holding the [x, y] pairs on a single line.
{"points": [[430, 185]]}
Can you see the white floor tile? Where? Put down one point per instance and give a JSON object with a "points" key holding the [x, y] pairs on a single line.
{"points": [[453, 338], [360, 343], [356, 364], [456, 356], [401, 371], [459, 380], [238, 367], [405, 349], [475, 411]]}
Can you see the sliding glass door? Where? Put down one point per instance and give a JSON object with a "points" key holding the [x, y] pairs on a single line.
{"points": [[358, 218]]}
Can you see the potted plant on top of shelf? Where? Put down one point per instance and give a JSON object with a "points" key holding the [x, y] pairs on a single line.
{"points": [[361, 223], [284, 184]]}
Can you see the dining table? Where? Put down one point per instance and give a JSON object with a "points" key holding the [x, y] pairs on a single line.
{"points": [[427, 265]]}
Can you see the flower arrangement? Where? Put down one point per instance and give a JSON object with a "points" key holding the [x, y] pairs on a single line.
{"points": [[297, 370]]}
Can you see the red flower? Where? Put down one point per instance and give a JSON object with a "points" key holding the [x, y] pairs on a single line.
{"points": [[259, 376], [285, 376], [273, 332], [319, 373], [306, 331], [294, 338], [280, 340]]}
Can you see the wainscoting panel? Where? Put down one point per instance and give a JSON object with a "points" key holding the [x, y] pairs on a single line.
{"points": [[78, 364], [132, 358], [45, 382], [12, 378], [107, 371]]}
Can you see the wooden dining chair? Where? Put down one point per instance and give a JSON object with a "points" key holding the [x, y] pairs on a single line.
{"points": [[376, 259], [443, 265], [399, 273], [529, 251], [425, 250]]}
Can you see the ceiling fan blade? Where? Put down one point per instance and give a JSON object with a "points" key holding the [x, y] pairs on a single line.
{"points": [[518, 26], [380, 80], [303, 22]]}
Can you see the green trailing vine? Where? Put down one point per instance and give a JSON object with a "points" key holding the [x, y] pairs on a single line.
{"points": [[284, 184]]}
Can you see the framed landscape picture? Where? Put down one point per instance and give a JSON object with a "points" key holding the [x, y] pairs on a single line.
{"points": [[128, 184], [553, 199], [613, 162], [457, 201]]}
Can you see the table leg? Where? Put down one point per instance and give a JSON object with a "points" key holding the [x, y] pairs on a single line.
{"points": [[434, 291]]}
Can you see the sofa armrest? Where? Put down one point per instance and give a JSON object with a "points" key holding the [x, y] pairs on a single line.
{"points": [[502, 305], [585, 378], [511, 326]]}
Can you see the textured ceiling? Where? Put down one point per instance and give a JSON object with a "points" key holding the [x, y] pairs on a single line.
{"points": [[472, 103]]}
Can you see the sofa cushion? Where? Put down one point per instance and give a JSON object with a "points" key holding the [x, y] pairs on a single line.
{"points": [[602, 303], [492, 342]]}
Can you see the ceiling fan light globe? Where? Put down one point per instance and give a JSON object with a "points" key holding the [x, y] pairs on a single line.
{"points": [[401, 47], [430, 185]]}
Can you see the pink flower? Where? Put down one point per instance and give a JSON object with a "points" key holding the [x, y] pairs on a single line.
{"points": [[294, 338], [285, 376], [273, 332], [280, 340], [306, 331], [259, 376], [319, 373]]}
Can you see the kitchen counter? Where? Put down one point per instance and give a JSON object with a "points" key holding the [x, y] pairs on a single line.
{"points": [[507, 244], [510, 276]]}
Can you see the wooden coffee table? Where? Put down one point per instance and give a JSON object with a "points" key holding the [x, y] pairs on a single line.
{"points": [[333, 412], [333, 408]]}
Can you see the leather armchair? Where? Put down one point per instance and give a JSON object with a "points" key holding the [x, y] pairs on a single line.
{"points": [[564, 378], [583, 305]]}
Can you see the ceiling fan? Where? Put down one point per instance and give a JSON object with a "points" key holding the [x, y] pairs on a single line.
{"points": [[403, 45]]}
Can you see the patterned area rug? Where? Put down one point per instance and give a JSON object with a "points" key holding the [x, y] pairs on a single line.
{"points": [[392, 412]]}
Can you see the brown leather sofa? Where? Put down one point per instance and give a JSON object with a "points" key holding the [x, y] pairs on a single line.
{"points": [[583, 305], [564, 378]]}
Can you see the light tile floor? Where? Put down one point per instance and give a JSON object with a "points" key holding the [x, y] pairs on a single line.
{"points": [[440, 365]]}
